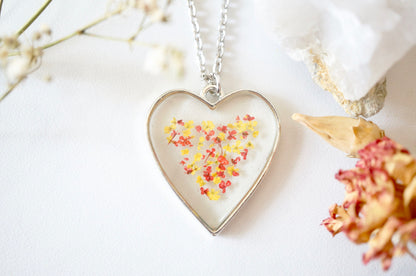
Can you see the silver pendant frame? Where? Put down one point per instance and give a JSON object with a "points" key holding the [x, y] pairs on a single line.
{"points": [[213, 106]]}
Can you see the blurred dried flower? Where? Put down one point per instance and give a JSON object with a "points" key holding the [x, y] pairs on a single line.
{"points": [[347, 134], [380, 201], [164, 59], [45, 30], [17, 68], [158, 16], [25, 57], [17, 61]]}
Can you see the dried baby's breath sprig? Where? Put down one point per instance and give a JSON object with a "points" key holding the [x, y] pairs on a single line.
{"points": [[347, 134], [18, 59], [380, 202]]}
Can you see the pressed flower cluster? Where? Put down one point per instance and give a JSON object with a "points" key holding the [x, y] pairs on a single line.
{"points": [[212, 153], [380, 202]]}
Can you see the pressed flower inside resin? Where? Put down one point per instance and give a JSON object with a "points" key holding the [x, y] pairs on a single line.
{"points": [[212, 153]]}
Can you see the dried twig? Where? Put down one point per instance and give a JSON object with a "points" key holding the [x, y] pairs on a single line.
{"points": [[33, 18], [1, 5]]}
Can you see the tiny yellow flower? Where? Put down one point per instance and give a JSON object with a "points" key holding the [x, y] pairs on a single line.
{"points": [[251, 125], [186, 133], [185, 151], [236, 147], [249, 145], [173, 121], [231, 126], [208, 125], [189, 124], [227, 148], [213, 194], [200, 181], [201, 142], [241, 126], [170, 128], [255, 133], [221, 136], [197, 157], [217, 180]]}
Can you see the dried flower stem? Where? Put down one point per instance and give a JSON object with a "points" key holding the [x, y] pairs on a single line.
{"points": [[80, 31], [120, 39], [10, 89], [1, 5], [139, 29], [33, 18]]}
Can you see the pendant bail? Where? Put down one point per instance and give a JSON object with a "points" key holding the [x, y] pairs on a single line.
{"points": [[212, 91], [212, 79]]}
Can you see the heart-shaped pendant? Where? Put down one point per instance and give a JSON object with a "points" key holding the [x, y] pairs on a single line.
{"points": [[213, 154]]}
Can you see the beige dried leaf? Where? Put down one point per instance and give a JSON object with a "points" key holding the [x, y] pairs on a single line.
{"points": [[347, 134]]}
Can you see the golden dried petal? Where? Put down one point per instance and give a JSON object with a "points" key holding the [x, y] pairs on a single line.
{"points": [[401, 166], [347, 134], [409, 198]]}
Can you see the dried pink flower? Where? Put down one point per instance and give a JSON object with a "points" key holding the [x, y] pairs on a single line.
{"points": [[380, 201]]}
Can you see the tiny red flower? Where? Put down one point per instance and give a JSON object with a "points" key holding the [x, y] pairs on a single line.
{"points": [[188, 171], [185, 141], [221, 173], [203, 191], [244, 134], [235, 161], [222, 128], [238, 118], [211, 153], [248, 118], [231, 135], [223, 185], [209, 135], [244, 154], [207, 174], [222, 160], [217, 140], [180, 122], [198, 128]]}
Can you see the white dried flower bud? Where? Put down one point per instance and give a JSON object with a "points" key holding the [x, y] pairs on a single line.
{"points": [[17, 68], [11, 42], [158, 16], [45, 29]]}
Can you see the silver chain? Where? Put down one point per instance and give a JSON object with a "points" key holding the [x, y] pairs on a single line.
{"points": [[210, 78]]}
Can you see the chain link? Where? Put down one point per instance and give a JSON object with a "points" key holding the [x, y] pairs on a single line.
{"points": [[210, 78]]}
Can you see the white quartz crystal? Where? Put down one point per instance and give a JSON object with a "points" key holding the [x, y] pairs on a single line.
{"points": [[350, 44]]}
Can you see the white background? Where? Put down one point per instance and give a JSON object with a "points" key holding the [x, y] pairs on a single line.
{"points": [[80, 193]]}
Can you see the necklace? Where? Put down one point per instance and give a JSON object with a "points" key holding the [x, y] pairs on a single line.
{"points": [[213, 148]]}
